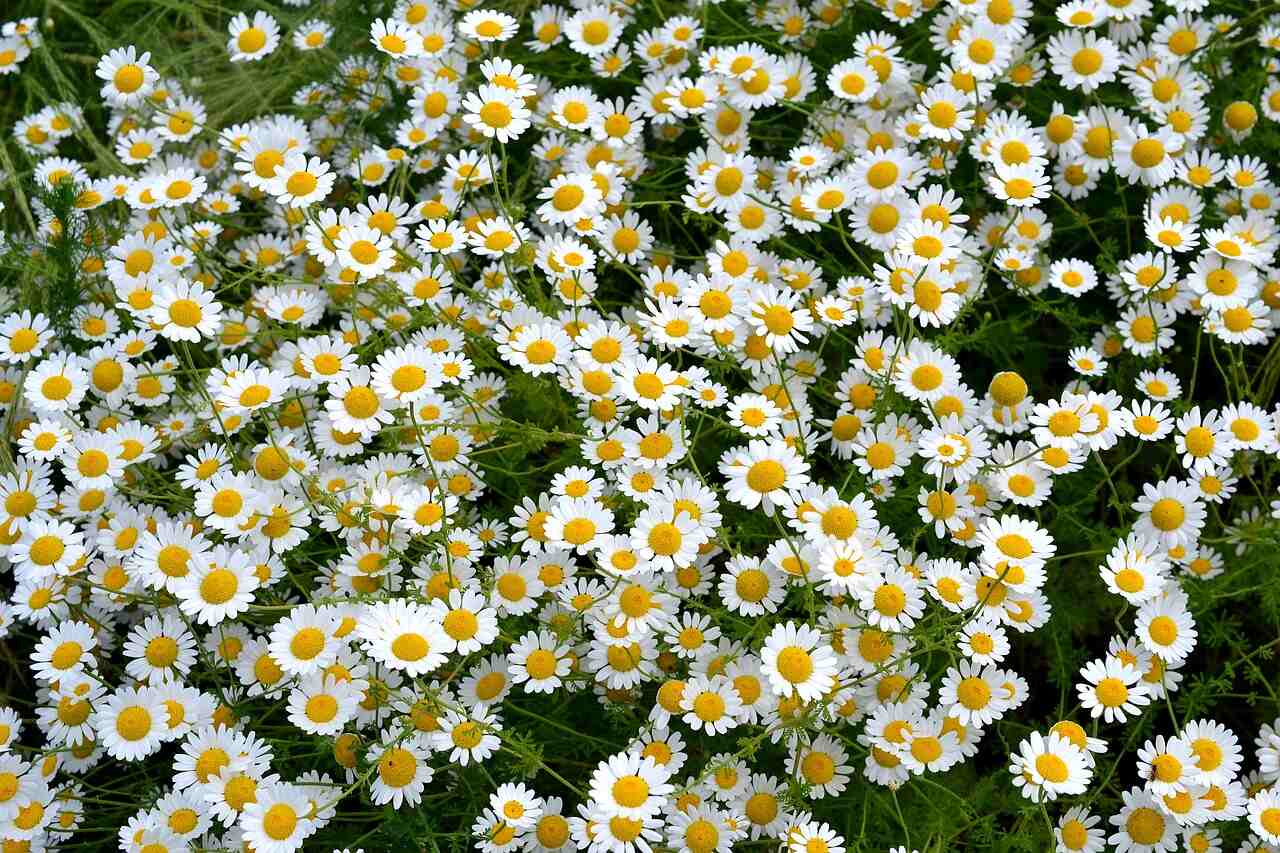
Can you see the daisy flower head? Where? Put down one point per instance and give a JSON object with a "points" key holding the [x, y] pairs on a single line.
{"points": [[130, 723], [1048, 767], [1142, 826], [1170, 513], [277, 819], [57, 384], [220, 587], [301, 181], [1083, 60], [185, 311], [1111, 689], [364, 250], [25, 336], [974, 694], [127, 75], [404, 636], [402, 771], [496, 112], [798, 662], [763, 473], [924, 373], [252, 39], [629, 786]]}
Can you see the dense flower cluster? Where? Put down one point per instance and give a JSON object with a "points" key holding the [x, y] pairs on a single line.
{"points": [[527, 355]]}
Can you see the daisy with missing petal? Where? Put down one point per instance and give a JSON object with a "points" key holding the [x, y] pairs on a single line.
{"points": [[798, 662]]}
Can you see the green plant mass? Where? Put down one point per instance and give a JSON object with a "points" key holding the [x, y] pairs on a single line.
{"points": [[640, 426]]}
